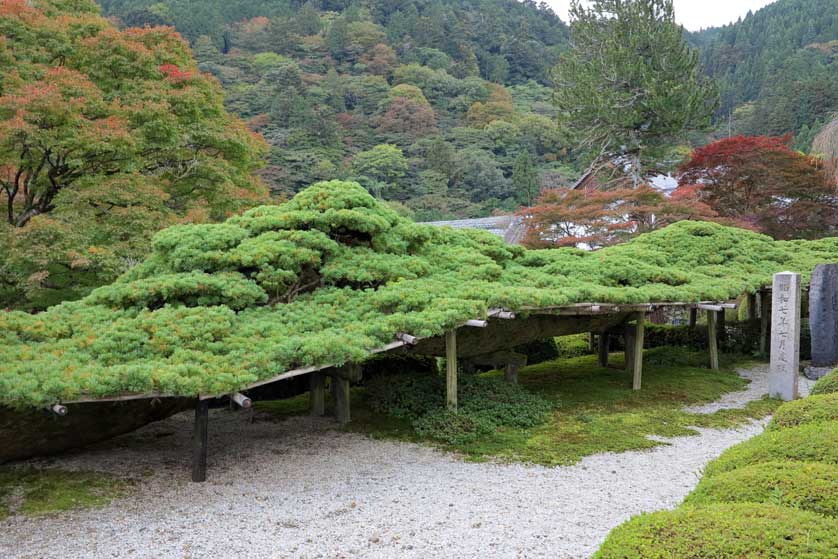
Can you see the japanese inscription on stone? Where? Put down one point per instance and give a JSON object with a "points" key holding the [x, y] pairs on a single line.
{"points": [[785, 336]]}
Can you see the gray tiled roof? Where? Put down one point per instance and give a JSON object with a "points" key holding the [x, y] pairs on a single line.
{"points": [[508, 227]]}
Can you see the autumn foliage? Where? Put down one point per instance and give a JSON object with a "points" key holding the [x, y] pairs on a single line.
{"points": [[594, 218], [105, 137], [761, 181]]}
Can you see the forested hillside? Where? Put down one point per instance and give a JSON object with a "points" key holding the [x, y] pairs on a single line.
{"points": [[778, 68], [440, 105]]}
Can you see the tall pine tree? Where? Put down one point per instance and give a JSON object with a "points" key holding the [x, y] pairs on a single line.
{"points": [[630, 85]]}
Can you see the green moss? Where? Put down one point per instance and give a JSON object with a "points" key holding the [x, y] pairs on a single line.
{"points": [[826, 384], [37, 492], [810, 486], [333, 274], [594, 409], [823, 407], [815, 442], [724, 531]]}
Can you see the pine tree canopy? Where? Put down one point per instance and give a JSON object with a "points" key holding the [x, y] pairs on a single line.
{"points": [[333, 274]]}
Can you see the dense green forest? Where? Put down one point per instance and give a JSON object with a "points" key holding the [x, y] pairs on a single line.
{"points": [[778, 69], [442, 106], [445, 107]]}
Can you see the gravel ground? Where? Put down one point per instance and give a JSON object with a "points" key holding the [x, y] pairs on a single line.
{"points": [[302, 489]]}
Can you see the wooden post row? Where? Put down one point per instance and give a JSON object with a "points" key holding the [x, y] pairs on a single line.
{"points": [[634, 338], [451, 369], [764, 322], [712, 339], [199, 441], [603, 347], [317, 393]]}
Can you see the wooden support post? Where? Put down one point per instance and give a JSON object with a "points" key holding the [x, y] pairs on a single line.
{"points": [[591, 342], [199, 441], [511, 373], [693, 317], [603, 347], [639, 335], [451, 369], [752, 306], [629, 342], [712, 339], [764, 322], [317, 394], [340, 392]]}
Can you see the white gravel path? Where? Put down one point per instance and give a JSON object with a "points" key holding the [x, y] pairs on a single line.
{"points": [[302, 489]]}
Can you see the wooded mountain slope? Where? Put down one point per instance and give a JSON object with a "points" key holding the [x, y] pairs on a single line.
{"points": [[778, 68]]}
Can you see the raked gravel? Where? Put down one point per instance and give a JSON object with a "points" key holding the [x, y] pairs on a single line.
{"points": [[300, 488]]}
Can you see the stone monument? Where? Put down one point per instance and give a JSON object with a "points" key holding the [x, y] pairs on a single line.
{"points": [[785, 336], [823, 320]]}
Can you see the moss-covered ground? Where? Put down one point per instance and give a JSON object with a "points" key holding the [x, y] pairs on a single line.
{"points": [[594, 409], [36, 492]]}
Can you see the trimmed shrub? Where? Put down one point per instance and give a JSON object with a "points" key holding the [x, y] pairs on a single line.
{"points": [[811, 486], [826, 384], [575, 345], [486, 403], [815, 442], [539, 351], [823, 407], [727, 530]]}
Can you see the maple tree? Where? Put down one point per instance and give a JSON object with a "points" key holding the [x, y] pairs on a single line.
{"points": [[761, 181], [592, 218], [105, 137]]}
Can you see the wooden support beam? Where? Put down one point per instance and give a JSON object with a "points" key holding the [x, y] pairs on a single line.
{"points": [[407, 338], [59, 410], [712, 339], [340, 392], [752, 306], [639, 335], [502, 314], [591, 342], [317, 394], [628, 344], [693, 317], [451, 369], [477, 323], [199, 441], [604, 345], [764, 322], [241, 400], [711, 308]]}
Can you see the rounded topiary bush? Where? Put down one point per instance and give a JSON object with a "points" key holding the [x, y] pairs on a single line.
{"points": [[811, 486], [827, 384], [815, 442], [823, 407], [727, 530]]}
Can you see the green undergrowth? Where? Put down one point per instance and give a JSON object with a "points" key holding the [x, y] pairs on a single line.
{"points": [[827, 384], [811, 486], [331, 275], [814, 409], [815, 442], [590, 409], [728, 531], [36, 492]]}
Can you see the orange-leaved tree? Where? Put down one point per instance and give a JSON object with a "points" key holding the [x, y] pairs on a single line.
{"points": [[592, 218], [105, 137], [761, 181]]}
